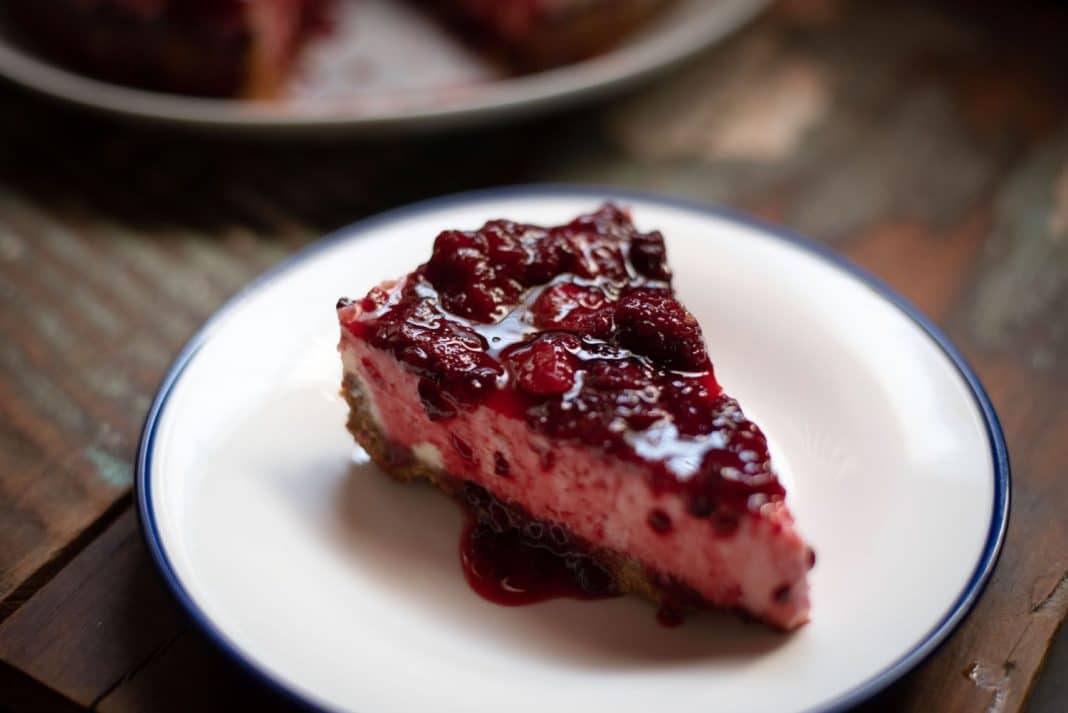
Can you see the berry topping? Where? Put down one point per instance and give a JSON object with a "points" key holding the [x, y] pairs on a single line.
{"points": [[545, 366], [574, 308], [575, 329], [653, 323], [469, 284]]}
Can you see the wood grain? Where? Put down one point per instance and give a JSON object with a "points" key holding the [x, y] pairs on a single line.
{"points": [[927, 141], [91, 625], [105, 635]]}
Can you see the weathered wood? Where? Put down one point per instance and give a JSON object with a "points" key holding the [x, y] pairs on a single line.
{"points": [[89, 627], [22, 693], [191, 675], [104, 634], [928, 141]]}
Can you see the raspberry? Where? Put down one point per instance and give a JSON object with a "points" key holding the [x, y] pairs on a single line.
{"points": [[545, 366], [468, 282], [648, 256], [616, 374], [617, 363], [574, 308], [653, 323]]}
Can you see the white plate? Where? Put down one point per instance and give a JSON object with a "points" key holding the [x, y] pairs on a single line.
{"points": [[344, 589], [388, 67]]}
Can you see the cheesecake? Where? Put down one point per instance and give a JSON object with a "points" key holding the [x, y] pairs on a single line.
{"points": [[247, 48], [549, 380]]}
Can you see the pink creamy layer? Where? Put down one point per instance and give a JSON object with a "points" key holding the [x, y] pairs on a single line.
{"points": [[760, 568]]}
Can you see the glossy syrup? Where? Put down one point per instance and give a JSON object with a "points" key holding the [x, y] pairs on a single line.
{"points": [[511, 559], [504, 569], [575, 330]]}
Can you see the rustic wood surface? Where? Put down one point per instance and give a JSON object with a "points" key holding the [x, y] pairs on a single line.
{"points": [[927, 141]]}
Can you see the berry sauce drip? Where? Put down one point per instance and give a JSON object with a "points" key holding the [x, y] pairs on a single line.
{"points": [[669, 617], [510, 559], [576, 330]]}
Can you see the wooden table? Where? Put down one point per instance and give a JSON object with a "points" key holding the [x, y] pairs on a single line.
{"points": [[926, 141]]}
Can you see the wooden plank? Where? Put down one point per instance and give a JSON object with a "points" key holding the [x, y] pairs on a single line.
{"points": [[22, 693], [96, 621], [103, 633], [192, 675], [69, 403]]}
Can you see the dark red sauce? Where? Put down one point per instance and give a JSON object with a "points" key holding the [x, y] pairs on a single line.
{"points": [[576, 330], [511, 559], [504, 569]]}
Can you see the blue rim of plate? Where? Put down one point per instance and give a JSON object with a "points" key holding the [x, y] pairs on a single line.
{"points": [[863, 691]]}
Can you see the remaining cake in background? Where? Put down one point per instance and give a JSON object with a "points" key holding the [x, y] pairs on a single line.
{"points": [[549, 379], [206, 47], [246, 48]]}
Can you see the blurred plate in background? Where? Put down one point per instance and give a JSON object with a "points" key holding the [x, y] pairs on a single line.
{"points": [[387, 66]]}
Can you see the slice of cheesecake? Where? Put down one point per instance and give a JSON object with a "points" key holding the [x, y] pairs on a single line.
{"points": [[205, 47], [549, 378], [245, 48]]}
